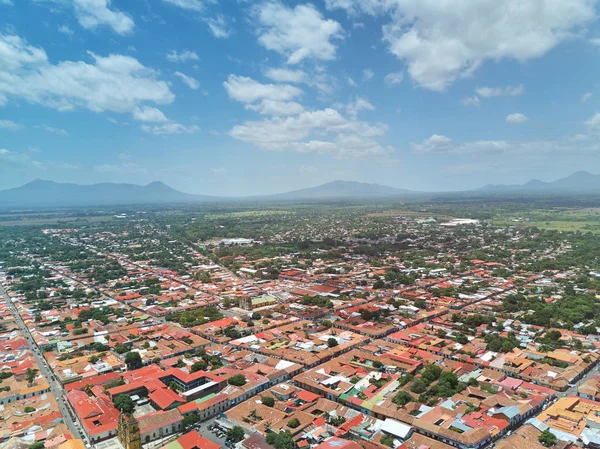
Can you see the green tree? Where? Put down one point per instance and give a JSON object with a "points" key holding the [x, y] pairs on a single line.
{"points": [[190, 420], [30, 375], [133, 360], [199, 366], [293, 423], [235, 434], [418, 386], [113, 384], [238, 380], [268, 401], [124, 404], [431, 373], [387, 440], [402, 398], [281, 440], [547, 438], [332, 342], [462, 339], [120, 348]]}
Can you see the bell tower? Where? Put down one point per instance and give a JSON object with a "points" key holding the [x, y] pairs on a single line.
{"points": [[128, 432]]}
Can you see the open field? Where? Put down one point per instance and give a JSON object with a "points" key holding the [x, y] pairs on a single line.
{"points": [[34, 221], [558, 225], [249, 213], [410, 214]]}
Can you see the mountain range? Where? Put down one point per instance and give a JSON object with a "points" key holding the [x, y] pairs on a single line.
{"points": [[42, 193], [578, 182]]}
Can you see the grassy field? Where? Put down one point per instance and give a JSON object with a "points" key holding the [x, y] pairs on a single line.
{"points": [[555, 225], [558, 219], [79, 221], [249, 213], [409, 213]]}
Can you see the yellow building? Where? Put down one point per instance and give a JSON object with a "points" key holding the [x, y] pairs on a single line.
{"points": [[128, 432]]}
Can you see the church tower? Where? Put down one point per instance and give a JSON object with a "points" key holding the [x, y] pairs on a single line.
{"points": [[128, 432]]}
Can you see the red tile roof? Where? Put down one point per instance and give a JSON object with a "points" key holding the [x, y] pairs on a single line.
{"points": [[165, 398], [193, 440]]}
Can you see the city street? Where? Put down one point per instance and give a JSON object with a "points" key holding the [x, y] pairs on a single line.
{"points": [[55, 387]]}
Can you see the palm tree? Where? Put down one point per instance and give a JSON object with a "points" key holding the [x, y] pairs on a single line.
{"points": [[30, 375]]}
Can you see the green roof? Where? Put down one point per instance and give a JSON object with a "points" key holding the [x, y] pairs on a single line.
{"points": [[263, 299], [205, 398]]}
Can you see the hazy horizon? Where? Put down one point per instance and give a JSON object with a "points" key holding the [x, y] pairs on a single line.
{"points": [[248, 98], [242, 195]]}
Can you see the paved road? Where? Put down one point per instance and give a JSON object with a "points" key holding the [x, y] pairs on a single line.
{"points": [[206, 433], [55, 386], [573, 390]]}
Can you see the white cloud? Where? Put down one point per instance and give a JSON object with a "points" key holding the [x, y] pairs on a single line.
{"points": [[277, 108], [516, 118], [10, 125], [368, 74], [6, 2], [435, 144], [15, 53], [125, 168], [595, 41], [15, 160], [505, 91], [12, 159], [297, 33], [442, 144], [319, 78], [115, 83], [62, 165], [307, 169], [490, 92], [51, 129], [593, 122], [322, 132], [353, 7], [581, 137], [471, 101], [391, 79], [266, 99], [218, 27], [442, 41], [247, 90], [218, 170], [149, 114], [286, 75], [192, 83], [190, 5], [95, 13], [586, 97], [351, 82], [184, 56], [360, 103], [65, 29], [169, 128], [508, 156]]}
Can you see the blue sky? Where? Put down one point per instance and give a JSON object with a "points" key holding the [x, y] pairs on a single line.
{"points": [[232, 97]]}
